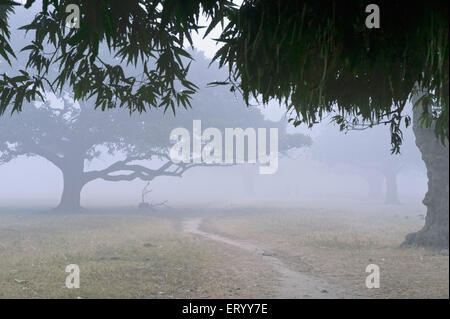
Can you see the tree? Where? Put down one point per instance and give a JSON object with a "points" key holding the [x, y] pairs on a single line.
{"points": [[435, 156], [317, 57], [70, 134], [366, 154]]}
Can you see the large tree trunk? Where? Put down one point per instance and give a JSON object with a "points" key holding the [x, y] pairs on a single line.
{"points": [[73, 184], [391, 197], [436, 157]]}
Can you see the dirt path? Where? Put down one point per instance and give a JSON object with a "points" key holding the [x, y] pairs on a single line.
{"points": [[293, 285]]}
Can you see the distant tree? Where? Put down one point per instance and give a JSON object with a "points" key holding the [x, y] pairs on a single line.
{"points": [[70, 134], [366, 154]]}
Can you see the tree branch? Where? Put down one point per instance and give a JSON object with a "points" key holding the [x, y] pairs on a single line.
{"points": [[136, 171], [55, 159]]}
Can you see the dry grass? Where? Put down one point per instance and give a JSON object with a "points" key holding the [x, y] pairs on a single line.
{"points": [[130, 255], [339, 242], [121, 255]]}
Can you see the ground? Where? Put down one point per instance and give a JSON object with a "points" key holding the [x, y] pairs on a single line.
{"points": [[120, 255], [124, 253]]}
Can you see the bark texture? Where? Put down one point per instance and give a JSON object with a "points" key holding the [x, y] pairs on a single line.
{"points": [[73, 182], [436, 157]]}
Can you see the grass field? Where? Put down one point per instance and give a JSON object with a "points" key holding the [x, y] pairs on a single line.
{"points": [[120, 255], [339, 242], [126, 254]]}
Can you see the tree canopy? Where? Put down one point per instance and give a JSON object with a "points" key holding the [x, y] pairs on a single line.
{"points": [[316, 57], [71, 134], [319, 57], [151, 32]]}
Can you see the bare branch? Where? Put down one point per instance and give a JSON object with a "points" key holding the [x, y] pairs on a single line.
{"points": [[137, 171]]}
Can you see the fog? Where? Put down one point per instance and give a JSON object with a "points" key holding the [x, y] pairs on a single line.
{"points": [[337, 166], [218, 199], [302, 175]]}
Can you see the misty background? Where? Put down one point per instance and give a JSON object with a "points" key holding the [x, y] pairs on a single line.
{"points": [[304, 176], [336, 167]]}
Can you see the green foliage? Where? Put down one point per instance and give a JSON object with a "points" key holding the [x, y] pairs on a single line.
{"points": [[318, 57], [149, 35], [5, 48]]}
